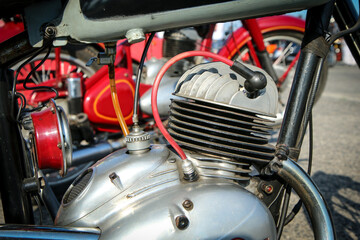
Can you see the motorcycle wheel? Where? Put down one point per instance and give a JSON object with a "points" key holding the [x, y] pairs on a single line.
{"points": [[282, 47], [73, 58]]}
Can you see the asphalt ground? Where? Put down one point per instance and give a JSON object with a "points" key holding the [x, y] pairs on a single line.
{"points": [[336, 161], [336, 155]]}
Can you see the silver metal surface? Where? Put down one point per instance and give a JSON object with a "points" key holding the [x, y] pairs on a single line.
{"points": [[65, 137], [74, 24], [134, 196], [166, 88], [137, 140], [152, 67], [215, 82], [215, 167], [135, 35], [310, 195], [47, 232], [74, 88]]}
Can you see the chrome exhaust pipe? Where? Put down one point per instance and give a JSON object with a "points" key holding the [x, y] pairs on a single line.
{"points": [[47, 232], [314, 202]]}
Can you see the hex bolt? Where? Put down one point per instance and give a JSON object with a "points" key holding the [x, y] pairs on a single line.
{"points": [[59, 145], [188, 205], [135, 35], [182, 222], [50, 31]]}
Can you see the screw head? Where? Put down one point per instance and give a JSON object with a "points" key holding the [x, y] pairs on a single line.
{"points": [[188, 205], [182, 222]]}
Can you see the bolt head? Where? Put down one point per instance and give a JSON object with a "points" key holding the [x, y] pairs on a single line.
{"points": [[182, 222], [135, 35]]}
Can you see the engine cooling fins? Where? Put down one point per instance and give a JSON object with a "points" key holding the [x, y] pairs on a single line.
{"points": [[215, 129]]}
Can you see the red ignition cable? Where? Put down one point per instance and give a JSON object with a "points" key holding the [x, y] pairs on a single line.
{"points": [[156, 87]]}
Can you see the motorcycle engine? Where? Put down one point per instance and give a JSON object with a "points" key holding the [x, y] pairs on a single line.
{"points": [[134, 194]]}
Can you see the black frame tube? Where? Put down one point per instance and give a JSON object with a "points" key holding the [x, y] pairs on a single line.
{"points": [[314, 49], [293, 118], [15, 49], [16, 203]]}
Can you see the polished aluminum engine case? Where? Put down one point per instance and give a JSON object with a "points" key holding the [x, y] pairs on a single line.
{"points": [[135, 196]]}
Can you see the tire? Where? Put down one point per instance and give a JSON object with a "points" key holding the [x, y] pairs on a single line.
{"points": [[292, 40]]}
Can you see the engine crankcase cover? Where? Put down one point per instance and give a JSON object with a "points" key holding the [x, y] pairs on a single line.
{"points": [[138, 196], [216, 83]]}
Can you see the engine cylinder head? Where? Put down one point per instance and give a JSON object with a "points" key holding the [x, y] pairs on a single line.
{"points": [[218, 118]]}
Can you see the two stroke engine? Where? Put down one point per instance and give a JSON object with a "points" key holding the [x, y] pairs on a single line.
{"points": [[134, 194]]}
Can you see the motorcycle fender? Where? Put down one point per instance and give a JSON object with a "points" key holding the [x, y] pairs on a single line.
{"points": [[266, 24]]}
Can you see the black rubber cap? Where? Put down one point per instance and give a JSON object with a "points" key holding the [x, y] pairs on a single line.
{"points": [[254, 82]]}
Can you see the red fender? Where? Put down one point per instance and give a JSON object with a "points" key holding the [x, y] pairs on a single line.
{"points": [[266, 24], [10, 29]]}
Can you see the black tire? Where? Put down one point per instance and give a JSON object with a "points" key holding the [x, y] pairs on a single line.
{"points": [[285, 37]]}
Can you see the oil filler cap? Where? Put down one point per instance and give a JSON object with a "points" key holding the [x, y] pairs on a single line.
{"points": [[137, 140]]}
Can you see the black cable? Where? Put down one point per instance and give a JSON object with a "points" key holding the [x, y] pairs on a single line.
{"points": [[22, 105], [298, 205], [138, 77], [23, 98], [284, 209], [16, 77], [354, 28], [37, 88]]}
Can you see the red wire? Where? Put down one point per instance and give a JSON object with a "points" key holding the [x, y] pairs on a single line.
{"points": [[156, 87]]}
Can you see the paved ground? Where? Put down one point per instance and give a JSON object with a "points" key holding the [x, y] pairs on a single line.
{"points": [[336, 156]]}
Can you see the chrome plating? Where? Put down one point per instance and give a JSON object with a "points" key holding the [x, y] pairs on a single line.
{"points": [[65, 136], [46, 232], [309, 194], [74, 87]]}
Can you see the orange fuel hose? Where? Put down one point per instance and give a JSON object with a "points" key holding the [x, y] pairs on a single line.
{"points": [[115, 101]]}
